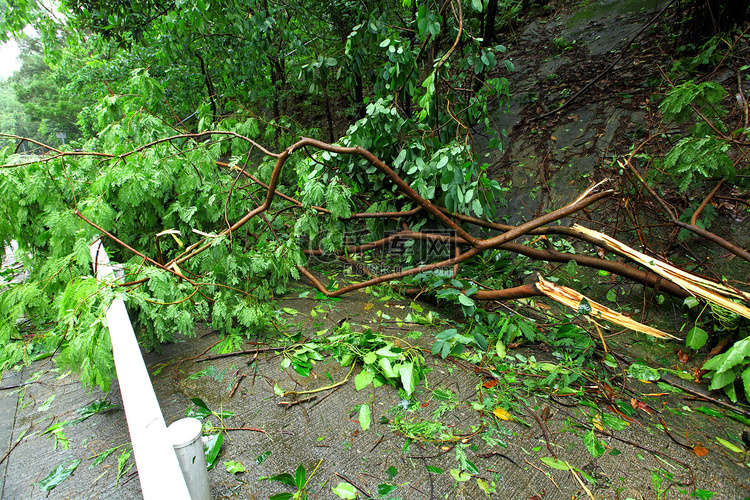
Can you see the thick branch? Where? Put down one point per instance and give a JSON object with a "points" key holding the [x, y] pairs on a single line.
{"points": [[740, 252]]}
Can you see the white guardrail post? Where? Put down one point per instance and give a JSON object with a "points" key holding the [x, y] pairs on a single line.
{"points": [[158, 469]]}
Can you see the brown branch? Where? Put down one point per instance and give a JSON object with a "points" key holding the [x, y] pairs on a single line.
{"points": [[740, 252], [131, 249], [239, 353], [694, 218], [236, 385]]}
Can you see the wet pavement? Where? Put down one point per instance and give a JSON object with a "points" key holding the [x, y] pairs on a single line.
{"points": [[444, 442], [434, 445]]}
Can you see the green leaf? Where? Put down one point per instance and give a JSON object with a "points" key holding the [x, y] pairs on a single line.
{"points": [[595, 447], [365, 417], [459, 475], [584, 307], [643, 372], [121, 461], [500, 349], [385, 489], [262, 457], [103, 456], [299, 477], [345, 490], [696, 338], [388, 370], [709, 411], [363, 379], [466, 301], [58, 475], [555, 463], [734, 356], [722, 379], [212, 449], [477, 5], [281, 496], [613, 422], [481, 341], [434, 470], [408, 377], [726, 444], [746, 382], [702, 494], [234, 467], [200, 404], [391, 471], [284, 478]]}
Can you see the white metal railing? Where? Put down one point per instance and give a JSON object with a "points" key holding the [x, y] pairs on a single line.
{"points": [[158, 469]]}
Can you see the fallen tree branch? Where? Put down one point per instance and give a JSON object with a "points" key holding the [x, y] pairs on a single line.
{"points": [[740, 252]]}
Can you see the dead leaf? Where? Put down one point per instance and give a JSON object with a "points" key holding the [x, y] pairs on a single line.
{"points": [[489, 384], [598, 422], [641, 406], [502, 413], [368, 306], [683, 356], [699, 450]]}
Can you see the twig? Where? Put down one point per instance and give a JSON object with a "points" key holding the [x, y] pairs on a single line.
{"points": [[666, 429], [320, 389], [289, 404], [740, 252], [575, 475], [547, 437], [364, 493], [253, 429], [549, 476], [236, 385], [239, 353], [324, 397], [694, 218], [707, 398]]}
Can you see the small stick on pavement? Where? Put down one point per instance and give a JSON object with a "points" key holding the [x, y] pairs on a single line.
{"points": [[254, 429], [364, 493], [236, 385], [289, 404]]}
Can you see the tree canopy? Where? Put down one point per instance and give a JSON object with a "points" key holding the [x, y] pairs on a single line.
{"points": [[195, 148]]}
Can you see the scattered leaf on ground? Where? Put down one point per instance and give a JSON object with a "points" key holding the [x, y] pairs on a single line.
{"points": [[502, 413], [699, 450], [345, 490], [726, 444], [212, 449], [555, 463], [233, 467], [58, 475]]}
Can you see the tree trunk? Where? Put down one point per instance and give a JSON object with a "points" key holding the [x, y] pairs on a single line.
{"points": [[359, 97], [209, 89], [488, 35]]}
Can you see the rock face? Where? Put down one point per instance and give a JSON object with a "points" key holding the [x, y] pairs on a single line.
{"points": [[550, 157]]}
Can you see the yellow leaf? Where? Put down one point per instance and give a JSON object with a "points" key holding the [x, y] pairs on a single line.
{"points": [[368, 306], [598, 422], [502, 413]]}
